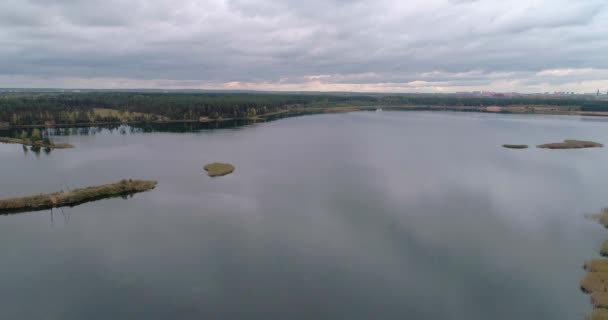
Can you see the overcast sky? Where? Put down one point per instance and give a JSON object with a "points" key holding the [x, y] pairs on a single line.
{"points": [[328, 45]]}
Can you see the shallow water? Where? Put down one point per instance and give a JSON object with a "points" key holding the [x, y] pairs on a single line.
{"points": [[392, 215]]}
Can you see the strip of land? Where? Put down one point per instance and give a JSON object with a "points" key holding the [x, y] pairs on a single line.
{"points": [[571, 144], [291, 111], [39, 143], [74, 197], [70, 109], [515, 146]]}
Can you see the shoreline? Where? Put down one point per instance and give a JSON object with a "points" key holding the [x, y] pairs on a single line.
{"points": [[35, 143], [321, 110]]}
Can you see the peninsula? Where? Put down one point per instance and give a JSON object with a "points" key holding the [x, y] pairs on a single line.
{"points": [[74, 197]]}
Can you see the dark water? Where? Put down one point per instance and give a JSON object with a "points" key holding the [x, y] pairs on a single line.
{"points": [[365, 215]]}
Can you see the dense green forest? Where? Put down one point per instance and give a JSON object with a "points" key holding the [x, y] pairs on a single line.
{"points": [[28, 108]]}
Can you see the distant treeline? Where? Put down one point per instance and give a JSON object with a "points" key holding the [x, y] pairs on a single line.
{"points": [[29, 108]]}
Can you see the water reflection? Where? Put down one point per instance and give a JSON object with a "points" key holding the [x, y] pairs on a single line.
{"points": [[172, 127], [184, 127], [36, 150], [358, 216]]}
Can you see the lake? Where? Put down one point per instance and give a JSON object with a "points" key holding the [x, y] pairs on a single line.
{"points": [[392, 215]]}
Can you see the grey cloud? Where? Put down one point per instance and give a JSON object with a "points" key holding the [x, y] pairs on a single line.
{"points": [[262, 41]]}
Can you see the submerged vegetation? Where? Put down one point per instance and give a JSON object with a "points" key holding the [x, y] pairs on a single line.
{"points": [[571, 144], [515, 146], [75, 197], [218, 169]]}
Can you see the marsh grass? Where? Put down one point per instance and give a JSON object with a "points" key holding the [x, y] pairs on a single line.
{"points": [[598, 314], [571, 144], [597, 265], [604, 249], [601, 217], [75, 197], [515, 146], [218, 169], [595, 282], [599, 300]]}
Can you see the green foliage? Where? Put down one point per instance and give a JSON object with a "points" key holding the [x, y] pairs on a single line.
{"points": [[69, 108], [35, 149], [23, 135], [36, 135]]}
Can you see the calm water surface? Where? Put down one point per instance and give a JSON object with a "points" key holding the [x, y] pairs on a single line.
{"points": [[393, 215]]}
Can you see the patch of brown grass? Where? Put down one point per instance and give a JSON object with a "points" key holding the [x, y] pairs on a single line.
{"points": [[594, 282], [598, 314], [597, 265], [599, 300]]}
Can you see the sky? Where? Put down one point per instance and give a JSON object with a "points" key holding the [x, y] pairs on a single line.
{"points": [[306, 45]]}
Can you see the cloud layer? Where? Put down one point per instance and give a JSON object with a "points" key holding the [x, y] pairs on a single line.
{"points": [[335, 45]]}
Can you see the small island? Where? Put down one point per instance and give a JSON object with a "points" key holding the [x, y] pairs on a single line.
{"points": [[515, 146], [218, 169], [36, 139], [74, 197], [571, 144], [39, 143]]}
